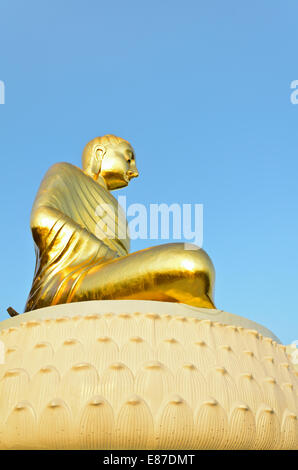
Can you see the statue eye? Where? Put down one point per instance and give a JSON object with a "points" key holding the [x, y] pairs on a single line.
{"points": [[129, 157]]}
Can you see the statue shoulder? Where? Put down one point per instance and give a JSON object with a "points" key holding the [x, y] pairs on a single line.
{"points": [[60, 173], [53, 186], [62, 167]]}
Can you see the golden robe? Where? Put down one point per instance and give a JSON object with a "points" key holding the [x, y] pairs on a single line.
{"points": [[64, 221]]}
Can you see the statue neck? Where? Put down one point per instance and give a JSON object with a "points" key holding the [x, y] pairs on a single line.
{"points": [[99, 179]]}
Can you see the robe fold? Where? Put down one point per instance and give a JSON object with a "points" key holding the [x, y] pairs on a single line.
{"points": [[76, 224]]}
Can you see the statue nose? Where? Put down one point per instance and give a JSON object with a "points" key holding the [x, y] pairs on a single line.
{"points": [[132, 173]]}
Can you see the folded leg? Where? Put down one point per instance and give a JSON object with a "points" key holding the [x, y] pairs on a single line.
{"points": [[165, 272]]}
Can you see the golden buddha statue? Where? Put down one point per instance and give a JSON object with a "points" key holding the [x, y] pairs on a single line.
{"points": [[76, 257]]}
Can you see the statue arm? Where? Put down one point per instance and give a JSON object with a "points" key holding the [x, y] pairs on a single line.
{"points": [[47, 220], [51, 226]]}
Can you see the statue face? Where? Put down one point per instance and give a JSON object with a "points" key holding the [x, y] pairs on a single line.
{"points": [[118, 165]]}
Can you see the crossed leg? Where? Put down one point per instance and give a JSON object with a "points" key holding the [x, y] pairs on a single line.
{"points": [[166, 272]]}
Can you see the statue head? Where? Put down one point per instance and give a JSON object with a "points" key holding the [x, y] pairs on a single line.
{"points": [[111, 158]]}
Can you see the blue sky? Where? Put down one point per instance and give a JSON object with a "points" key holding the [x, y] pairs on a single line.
{"points": [[202, 90]]}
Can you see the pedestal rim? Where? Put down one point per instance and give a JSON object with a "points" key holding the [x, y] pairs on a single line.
{"points": [[118, 307]]}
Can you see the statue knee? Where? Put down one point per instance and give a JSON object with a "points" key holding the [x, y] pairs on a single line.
{"points": [[194, 258]]}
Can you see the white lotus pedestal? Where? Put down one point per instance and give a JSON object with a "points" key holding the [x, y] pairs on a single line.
{"points": [[144, 375]]}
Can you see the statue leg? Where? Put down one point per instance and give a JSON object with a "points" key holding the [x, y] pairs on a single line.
{"points": [[165, 272]]}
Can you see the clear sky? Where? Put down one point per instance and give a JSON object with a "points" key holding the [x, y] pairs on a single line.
{"points": [[202, 90]]}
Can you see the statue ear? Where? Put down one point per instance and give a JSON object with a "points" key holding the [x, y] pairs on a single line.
{"points": [[98, 154]]}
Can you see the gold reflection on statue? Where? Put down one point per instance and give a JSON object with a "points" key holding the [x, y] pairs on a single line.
{"points": [[77, 259]]}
